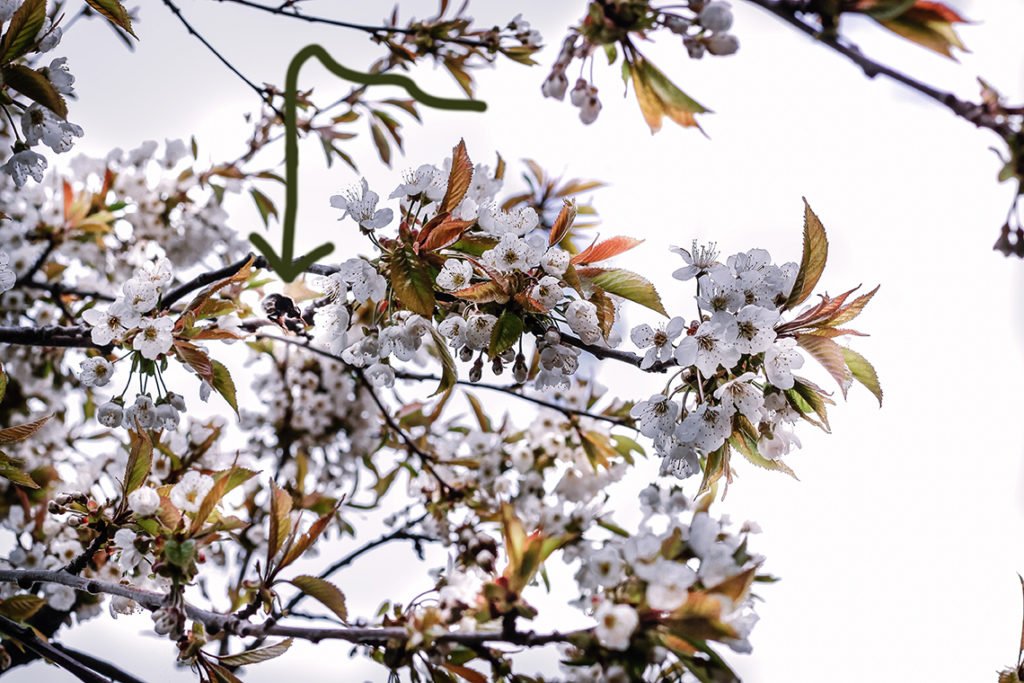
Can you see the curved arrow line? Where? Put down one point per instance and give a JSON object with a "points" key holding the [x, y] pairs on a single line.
{"points": [[291, 147]]}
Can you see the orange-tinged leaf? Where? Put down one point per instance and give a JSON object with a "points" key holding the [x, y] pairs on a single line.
{"points": [[280, 522], [307, 539], [599, 251], [831, 357], [650, 106], [659, 97], [851, 311], [21, 607], [140, 460], [578, 186], [210, 501], [929, 24], [605, 310], [813, 261], [735, 587], [326, 592], [22, 431], [444, 234], [471, 675], [563, 223], [458, 178], [482, 293], [240, 276], [195, 359]]}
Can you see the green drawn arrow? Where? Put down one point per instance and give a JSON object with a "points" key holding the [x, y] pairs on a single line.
{"points": [[285, 265]]}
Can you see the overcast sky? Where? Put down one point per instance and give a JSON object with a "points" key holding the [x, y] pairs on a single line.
{"points": [[898, 548]]}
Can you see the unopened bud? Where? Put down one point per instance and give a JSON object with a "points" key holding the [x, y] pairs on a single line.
{"points": [[497, 367], [519, 371], [722, 44], [466, 354], [477, 371]]}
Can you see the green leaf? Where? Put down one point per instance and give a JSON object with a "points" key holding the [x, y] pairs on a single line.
{"points": [[221, 675], [717, 464], [21, 607], [265, 206], [481, 415], [805, 399], [224, 385], [23, 30], [627, 284], [35, 86], [863, 372], [505, 334], [813, 261], [3, 383], [324, 591], [280, 522], [626, 447], [449, 374], [260, 654], [411, 280], [11, 470], [381, 143], [180, 553], [140, 459], [115, 13]]}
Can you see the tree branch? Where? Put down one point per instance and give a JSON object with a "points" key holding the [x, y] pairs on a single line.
{"points": [[969, 111], [27, 638], [74, 336], [216, 622]]}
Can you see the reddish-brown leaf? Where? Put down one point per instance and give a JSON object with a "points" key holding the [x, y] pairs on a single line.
{"points": [[831, 357], [482, 293], [196, 359], [444, 234], [459, 177], [22, 431], [605, 250], [563, 223]]}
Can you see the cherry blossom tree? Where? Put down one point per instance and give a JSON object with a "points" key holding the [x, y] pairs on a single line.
{"points": [[188, 415]]}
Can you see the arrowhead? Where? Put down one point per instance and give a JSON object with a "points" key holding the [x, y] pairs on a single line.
{"points": [[288, 269]]}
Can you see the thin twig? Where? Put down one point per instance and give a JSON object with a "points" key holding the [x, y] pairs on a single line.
{"points": [[99, 665], [262, 92]]}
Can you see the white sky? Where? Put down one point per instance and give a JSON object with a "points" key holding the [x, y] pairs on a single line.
{"points": [[899, 547]]}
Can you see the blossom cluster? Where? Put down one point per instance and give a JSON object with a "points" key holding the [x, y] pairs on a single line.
{"points": [[39, 121], [736, 366]]}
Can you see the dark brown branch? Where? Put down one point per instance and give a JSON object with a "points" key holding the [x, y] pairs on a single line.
{"points": [[34, 268], [99, 665], [57, 289], [209, 278], [969, 111], [217, 622], [27, 638], [74, 336]]}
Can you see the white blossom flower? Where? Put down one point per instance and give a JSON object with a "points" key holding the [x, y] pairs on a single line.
{"points": [[659, 340], [655, 416], [362, 207], [755, 329], [144, 501], [555, 84], [427, 179], [159, 272], [188, 494], [699, 259], [511, 253], [96, 372], [141, 414], [581, 315], [711, 346], [110, 414], [456, 274], [743, 395], [333, 286], [780, 360], [516, 222], [364, 280], [555, 261], [380, 375], [478, 330], [60, 598], [615, 625], [111, 324], [39, 123], [154, 337], [707, 427], [167, 417], [7, 276], [778, 443], [668, 584], [547, 292], [453, 328], [23, 164], [141, 294]]}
